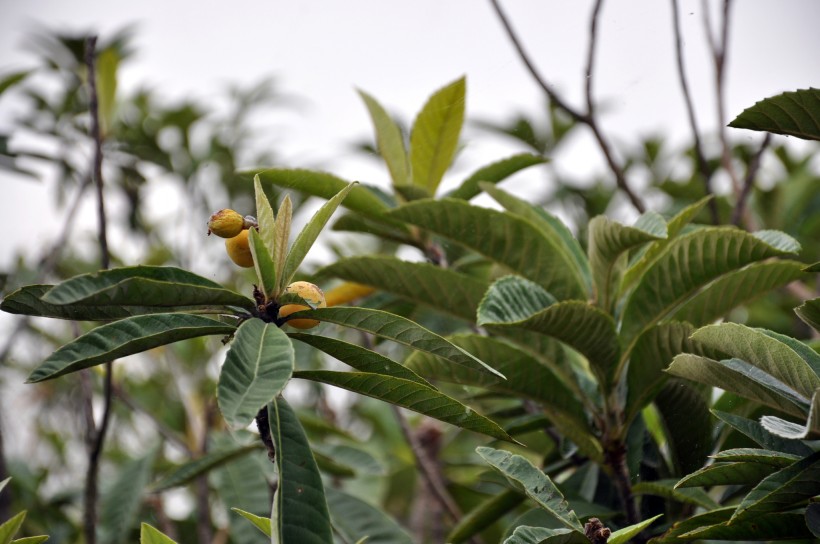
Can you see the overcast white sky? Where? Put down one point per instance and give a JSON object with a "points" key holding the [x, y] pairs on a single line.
{"points": [[401, 51]]}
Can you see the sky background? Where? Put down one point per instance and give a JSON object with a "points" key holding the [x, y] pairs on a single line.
{"points": [[400, 52]]}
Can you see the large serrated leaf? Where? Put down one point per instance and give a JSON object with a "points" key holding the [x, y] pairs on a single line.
{"points": [[809, 312], [187, 472], [434, 137], [149, 535], [357, 519], [582, 326], [710, 372], [542, 535], [688, 423], [756, 432], [401, 330], [782, 490], [735, 288], [120, 503], [526, 377], [264, 217], [766, 527], [511, 299], [666, 489], [26, 301], [609, 244], [754, 455], [358, 357], [762, 351], [684, 267], [125, 337], [281, 239], [506, 238], [300, 511], [257, 368], [307, 236], [162, 286], [494, 173], [813, 518], [389, 141], [441, 288], [795, 113], [551, 227], [528, 479], [411, 395], [650, 355], [739, 473], [796, 431]]}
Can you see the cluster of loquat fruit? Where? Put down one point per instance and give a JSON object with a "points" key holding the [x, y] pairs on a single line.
{"points": [[232, 226]]}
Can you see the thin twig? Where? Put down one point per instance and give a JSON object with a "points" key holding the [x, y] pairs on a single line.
{"points": [[703, 164], [718, 49], [428, 470], [203, 506], [95, 452], [587, 118], [5, 498], [749, 181]]}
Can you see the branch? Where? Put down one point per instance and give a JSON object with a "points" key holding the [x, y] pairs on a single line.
{"points": [[587, 118], [98, 434], [748, 182], [703, 165]]}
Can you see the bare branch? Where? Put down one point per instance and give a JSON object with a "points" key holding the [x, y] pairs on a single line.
{"points": [[587, 118], [703, 165], [748, 182]]}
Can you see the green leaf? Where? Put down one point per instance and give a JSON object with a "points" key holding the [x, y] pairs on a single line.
{"points": [[411, 395], [324, 185], [782, 490], [809, 312], [444, 289], [794, 113], [300, 511], [399, 329], [740, 473], [351, 222], [756, 432], [503, 237], [12, 79], [713, 373], [512, 299], [263, 524], [542, 535], [389, 141], [551, 227], [280, 241], [813, 518], [125, 337], [494, 173], [357, 519], [187, 472], [434, 137], [108, 61], [688, 424], [609, 244], [655, 249], [262, 264], [304, 241], [765, 527], [581, 326], [162, 286], [10, 527], [526, 377], [256, 369], [736, 288], [685, 266], [651, 354], [622, 536], [762, 351], [26, 301], [666, 489], [30, 540], [525, 477], [485, 514], [149, 535], [796, 431], [344, 456], [264, 217], [754, 455], [359, 358], [121, 502], [4, 483]]}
